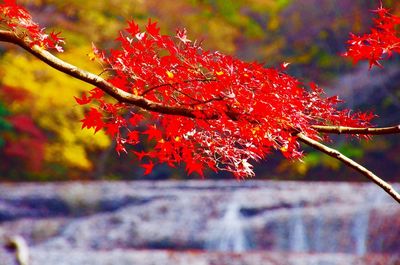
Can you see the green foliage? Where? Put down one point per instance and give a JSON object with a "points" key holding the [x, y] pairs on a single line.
{"points": [[5, 126]]}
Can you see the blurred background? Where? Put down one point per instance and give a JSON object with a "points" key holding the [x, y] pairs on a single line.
{"points": [[40, 134], [217, 221]]}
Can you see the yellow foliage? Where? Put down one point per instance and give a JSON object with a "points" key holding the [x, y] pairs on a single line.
{"points": [[220, 34], [70, 154], [53, 106], [273, 23], [199, 19], [302, 168], [272, 6]]}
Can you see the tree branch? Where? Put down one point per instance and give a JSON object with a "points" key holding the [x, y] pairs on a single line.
{"points": [[353, 130], [142, 102], [351, 163], [90, 78]]}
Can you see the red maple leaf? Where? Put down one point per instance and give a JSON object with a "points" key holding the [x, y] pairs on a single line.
{"points": [[112, 128], [153, 133], [84, 100], [135, 119], [148, 167], [140, 154], [152, 28], [120, 147], [133, 28], [193, 165], [96, 93], [93, 119], [133, 137], [196, 167]]}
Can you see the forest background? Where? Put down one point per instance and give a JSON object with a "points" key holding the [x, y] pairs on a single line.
{"points": [[40, 134]]}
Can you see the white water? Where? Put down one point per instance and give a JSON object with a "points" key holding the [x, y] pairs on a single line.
{"points": [[362, 219], [229, 234], [360, 231], [297, 235], [265, 216], [328, 228]]}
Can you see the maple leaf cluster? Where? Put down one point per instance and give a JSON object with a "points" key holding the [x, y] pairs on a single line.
{"points": [[239, 111], [17, 19], [380, 43]]}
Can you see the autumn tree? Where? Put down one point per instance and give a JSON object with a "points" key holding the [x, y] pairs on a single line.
{"points": [[205, 109], [70, 152]]}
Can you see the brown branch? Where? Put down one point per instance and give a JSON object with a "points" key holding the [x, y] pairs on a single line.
{"points": [[93, 79], [140, 101], [90, 78], [351, 163], [353, 130]]}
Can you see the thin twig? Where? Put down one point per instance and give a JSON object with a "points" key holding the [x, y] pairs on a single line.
{"points": [[354, 130], [351, 163]]}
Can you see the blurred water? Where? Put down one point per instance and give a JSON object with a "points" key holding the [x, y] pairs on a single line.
{"points": [[298, 235], [360, 231], [229, 233], [250, 220]]}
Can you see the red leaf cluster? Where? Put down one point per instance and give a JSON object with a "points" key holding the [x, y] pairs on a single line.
{"points": [[17, 19], [243, 109], [380, 43]]}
